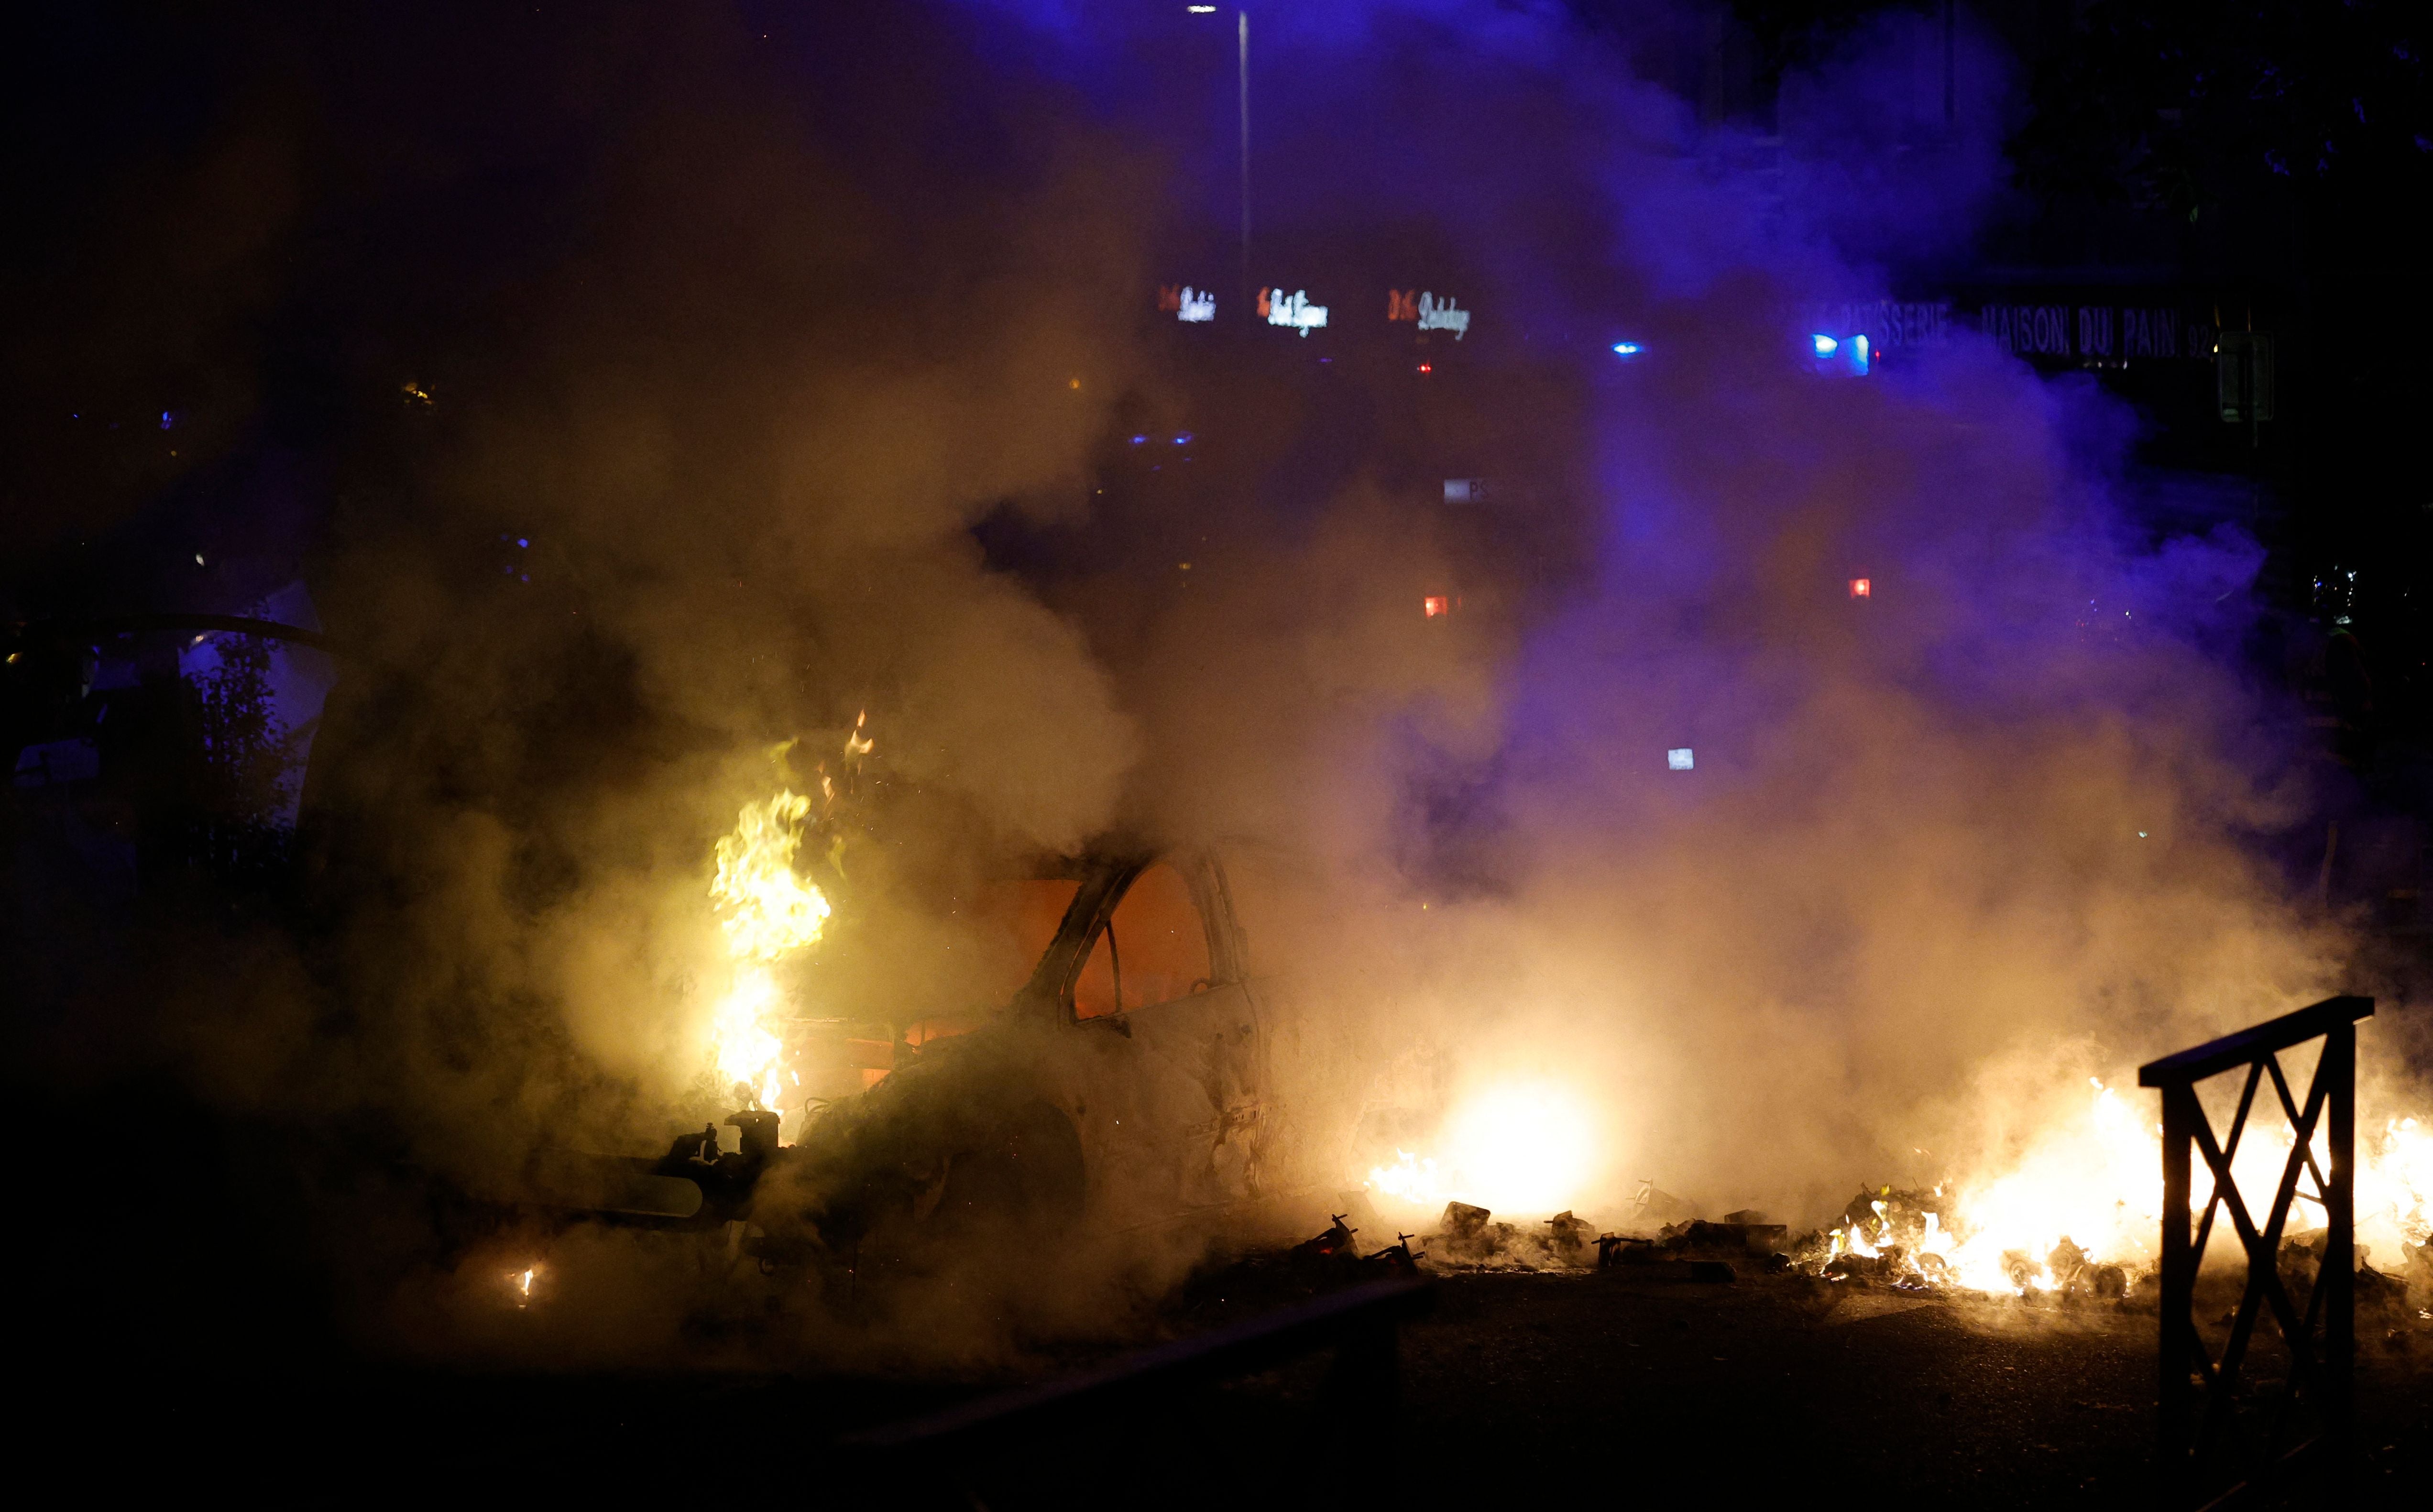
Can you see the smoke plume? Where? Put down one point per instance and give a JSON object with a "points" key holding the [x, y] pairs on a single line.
{"points": [[706, 377]]}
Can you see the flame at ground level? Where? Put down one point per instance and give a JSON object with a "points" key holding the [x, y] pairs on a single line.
{"points": [[1523, 1146], [2092, 1191], [2089, 1187], [2097, 1182]]}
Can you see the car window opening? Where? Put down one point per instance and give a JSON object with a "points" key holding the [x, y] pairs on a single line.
{"points": [[1154, 950]]}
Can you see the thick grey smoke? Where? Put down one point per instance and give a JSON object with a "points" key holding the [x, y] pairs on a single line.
{"points": [[2002, 812], [825, 303]]}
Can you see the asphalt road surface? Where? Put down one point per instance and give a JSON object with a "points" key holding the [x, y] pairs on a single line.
{"points": [[1520, 1390]]}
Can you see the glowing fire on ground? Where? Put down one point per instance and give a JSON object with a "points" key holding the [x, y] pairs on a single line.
{"points": [[2098, 1184], [2085, 1194], [1523, 1146], [2089, 1194]]}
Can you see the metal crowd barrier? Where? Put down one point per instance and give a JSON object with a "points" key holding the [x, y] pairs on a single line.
{"points": [[2203, 1443]]}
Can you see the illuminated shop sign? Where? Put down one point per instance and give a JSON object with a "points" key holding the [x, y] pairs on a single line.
{"points": [[1886, 322], [1421, 309], [2060, 330], [2094, 331], [1445, 316], [1292, 311], [1189, 305]]}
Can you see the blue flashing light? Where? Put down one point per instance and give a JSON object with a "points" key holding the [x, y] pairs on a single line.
{"points": [[1851, 356], [1139, 440], [1184, 439], [524, 541], [1625, 348], [165, 420]]}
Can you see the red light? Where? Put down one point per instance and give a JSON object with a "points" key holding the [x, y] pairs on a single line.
{"points": [[1426, 369], [1434, 604], [1860, 587]]}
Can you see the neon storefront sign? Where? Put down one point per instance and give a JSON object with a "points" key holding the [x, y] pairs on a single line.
{"points": [[1422, 309], [1292, 311], [1191, 306]]}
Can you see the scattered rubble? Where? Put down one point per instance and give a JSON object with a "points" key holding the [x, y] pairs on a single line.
{"points": [[1469, 1237], [1652, 1209], [1335, 1255], [1570, 1238]]}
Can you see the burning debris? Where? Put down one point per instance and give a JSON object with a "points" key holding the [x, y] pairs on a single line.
{"points": [[2073, 1215], [1897, 1238], [2078, 1213]]}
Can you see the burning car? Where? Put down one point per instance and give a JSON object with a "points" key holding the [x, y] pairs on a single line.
{"points": [[1135, 1088], [1130, 1082]]}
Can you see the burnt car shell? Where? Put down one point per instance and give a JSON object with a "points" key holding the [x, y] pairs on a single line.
{"points": [[1044, 1117]]}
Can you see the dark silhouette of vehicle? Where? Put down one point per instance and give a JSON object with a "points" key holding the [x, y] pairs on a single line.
{"points": [[1128, 1085]]}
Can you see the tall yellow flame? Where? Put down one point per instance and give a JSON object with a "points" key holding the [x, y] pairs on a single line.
{"points": [[769, 908], [767, 911]]}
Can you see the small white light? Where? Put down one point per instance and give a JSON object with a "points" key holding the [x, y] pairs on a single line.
{"points": [[2141, 834], [198, 559], [1679, 759]]}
